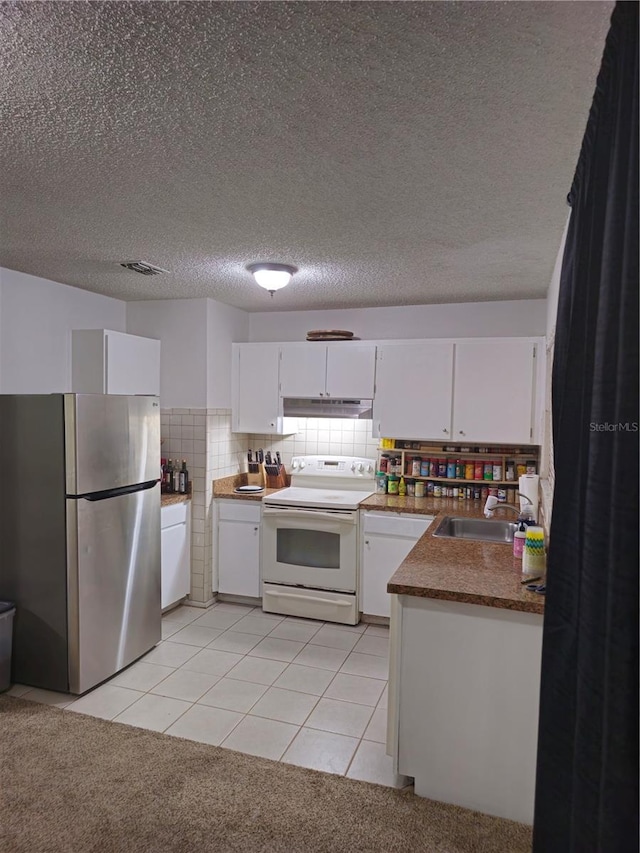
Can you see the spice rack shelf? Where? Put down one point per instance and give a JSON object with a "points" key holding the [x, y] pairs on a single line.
{"points": [[517, 459]]}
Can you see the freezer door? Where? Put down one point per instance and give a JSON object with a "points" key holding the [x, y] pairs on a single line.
{"points": [[113, 583], [110, 441]]}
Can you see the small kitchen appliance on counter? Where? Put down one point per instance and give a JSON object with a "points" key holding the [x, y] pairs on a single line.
{"points": [[310, 539], [80, 533]]}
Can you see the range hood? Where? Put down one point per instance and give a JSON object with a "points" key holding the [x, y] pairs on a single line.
{"points": [[325, 407]]}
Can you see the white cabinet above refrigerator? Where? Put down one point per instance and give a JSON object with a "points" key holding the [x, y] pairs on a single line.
{"points": [[108, 362]]}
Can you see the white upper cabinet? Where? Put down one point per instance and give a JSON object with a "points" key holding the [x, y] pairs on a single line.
{"points": [[313, 369], [493, 395], [255, 401], [414, 390], [108, 362]]}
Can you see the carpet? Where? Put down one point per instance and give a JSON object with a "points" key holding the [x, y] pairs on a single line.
{"points": [[78, 784]]}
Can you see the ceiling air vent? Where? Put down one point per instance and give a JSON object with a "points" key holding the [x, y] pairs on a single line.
{"points": [[143, 267]]}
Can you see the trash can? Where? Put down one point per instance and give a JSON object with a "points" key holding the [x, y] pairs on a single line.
{"points": [[7, 610]]}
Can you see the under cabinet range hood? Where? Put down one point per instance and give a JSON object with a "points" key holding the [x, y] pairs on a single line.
{"points": [[325, 407]]}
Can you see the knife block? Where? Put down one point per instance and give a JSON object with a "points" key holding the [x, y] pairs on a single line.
{"points": [[256, 478], [277, 481]]}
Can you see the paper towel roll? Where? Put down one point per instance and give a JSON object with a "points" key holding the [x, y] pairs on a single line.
{"points": [[528, 485]]}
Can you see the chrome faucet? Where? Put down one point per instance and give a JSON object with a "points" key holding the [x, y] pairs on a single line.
{"points": [[493, 504]]}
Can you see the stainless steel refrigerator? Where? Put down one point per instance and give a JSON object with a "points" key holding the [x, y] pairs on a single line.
{"points": [[80, 534]]}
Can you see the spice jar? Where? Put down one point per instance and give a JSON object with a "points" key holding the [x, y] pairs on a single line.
{"points": [[419, 488], [417, 466], [393, 483], [411, 487]]}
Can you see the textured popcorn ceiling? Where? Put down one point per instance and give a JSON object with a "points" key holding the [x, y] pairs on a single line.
{"points": [[397, 153]]}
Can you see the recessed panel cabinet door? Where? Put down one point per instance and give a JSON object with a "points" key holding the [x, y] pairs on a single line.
{"points": [[493, 391], [351, 370], [414, 390], [255, 400], [303, 370], [239, 558]]}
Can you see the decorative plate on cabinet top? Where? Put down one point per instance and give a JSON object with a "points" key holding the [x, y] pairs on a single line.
{"points": [[329, 335]]}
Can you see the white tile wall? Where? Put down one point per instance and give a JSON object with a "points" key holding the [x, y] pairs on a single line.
{"points": [[336, 436], [204, 439]]}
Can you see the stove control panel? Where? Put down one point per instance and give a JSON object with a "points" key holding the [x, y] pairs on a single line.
{"points": [[334, 466]]}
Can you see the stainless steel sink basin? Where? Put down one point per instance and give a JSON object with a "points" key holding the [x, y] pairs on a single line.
{"points": [[482, 529]]}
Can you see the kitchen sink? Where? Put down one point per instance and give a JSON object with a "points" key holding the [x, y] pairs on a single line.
{"points": [[485, 530]]}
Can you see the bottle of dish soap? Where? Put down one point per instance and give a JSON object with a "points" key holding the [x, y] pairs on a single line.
{"points": [[402, 487], [518, 539]]}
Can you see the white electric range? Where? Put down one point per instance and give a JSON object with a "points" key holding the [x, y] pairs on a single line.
{"points": [[310, 539]]}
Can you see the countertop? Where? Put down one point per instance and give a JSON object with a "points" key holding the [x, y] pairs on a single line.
{"points": [[452, 570], [224, 488], [168, 498], [457, 570]]}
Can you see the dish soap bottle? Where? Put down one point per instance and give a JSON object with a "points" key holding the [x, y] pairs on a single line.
{"points": [[518, 539], [402, 487]]}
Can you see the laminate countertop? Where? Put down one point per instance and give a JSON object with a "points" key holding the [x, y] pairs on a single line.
{"points": [[457, 569], [169, 498]]}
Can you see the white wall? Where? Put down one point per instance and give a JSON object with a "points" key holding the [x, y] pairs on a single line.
{"points": [[225, 325], [519, 318], [36, 318], [181, 327], [554, 288]]}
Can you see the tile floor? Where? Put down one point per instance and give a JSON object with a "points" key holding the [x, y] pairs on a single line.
{"points": [[294, 690]]}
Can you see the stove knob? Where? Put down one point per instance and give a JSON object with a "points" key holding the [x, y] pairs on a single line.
{"points": [[360, 467], [294, 464], [301, 464], [353, 466], [369, 469]]}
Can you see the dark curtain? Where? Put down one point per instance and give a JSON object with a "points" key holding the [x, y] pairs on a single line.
{"points": [[587, 772]]}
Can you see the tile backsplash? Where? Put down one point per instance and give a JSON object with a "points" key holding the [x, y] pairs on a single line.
{"points": [[204, 439]]}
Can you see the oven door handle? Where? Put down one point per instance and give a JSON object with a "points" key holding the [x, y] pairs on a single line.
{"points": [[311, 515], [306, 599]]}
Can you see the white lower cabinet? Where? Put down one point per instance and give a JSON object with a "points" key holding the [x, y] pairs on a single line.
{"points": [[387, 538], [464, 684], [175, 544], [239, 547]]}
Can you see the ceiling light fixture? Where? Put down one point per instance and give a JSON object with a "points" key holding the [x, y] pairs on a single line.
{"points": [[272, 276]]}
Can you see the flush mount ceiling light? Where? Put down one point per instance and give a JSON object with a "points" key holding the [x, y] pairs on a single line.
{"points": [[272, 276]]}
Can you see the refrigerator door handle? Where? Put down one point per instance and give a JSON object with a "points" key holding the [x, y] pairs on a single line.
{"points": [[115, 493]]}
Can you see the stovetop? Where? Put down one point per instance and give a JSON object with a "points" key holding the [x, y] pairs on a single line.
{"points": [[327, 482]]}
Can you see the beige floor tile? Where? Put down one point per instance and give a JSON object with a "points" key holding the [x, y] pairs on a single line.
{"points": [[355, 688], [106, 701], [212, 661], [377, 728], [322, 657], [276, 649], [207, 725], [215, 618], [142, 676], [342, 718], [185, 684], [305, 679], [233, 695], [377, 631], [48, 697], [335, 638], [288, 630], [369, 666], [170, 628], [183, 614], [261, 625], [18, 690], [284, 705], [231, 607], [321, 751], [384, 699], [372, 764], [372, 645], [153, 712], [258, 670], [233, 641], [196, 635], [172, 654], [257, 736], [360, 628]]}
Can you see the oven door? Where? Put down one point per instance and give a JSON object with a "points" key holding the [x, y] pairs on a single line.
{"points": [[310, 547]]}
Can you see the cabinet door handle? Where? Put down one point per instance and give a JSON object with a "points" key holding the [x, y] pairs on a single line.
{"points": [[366, 541], [256, 529], [462, 432], [445, 430]]}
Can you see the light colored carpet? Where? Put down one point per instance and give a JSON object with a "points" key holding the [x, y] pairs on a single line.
{"points": [[79, 784]]}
